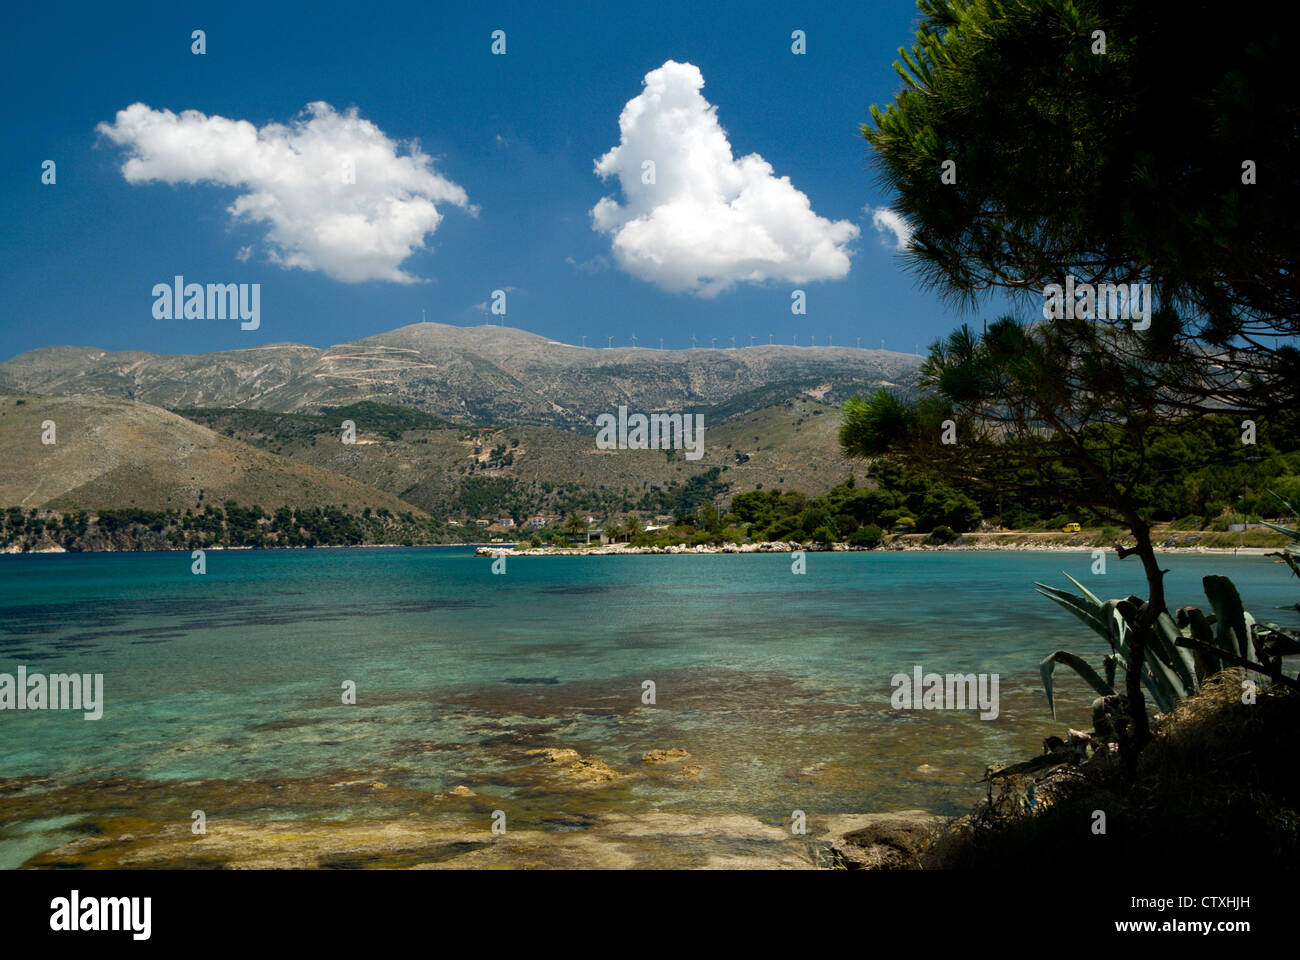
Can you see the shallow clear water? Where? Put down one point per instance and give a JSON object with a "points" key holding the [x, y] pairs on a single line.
{"points": [[777, 684]]}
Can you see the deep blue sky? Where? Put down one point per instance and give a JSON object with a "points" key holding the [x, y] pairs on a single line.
{"points": [[519, 133]]}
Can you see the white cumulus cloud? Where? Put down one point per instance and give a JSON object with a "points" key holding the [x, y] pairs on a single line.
{"points": [[888, 223], [294, 179], [709, 220]]}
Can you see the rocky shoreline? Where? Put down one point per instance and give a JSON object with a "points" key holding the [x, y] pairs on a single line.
{"points": [[907, 543], [782, 546], [119, 823], [664, 840]]}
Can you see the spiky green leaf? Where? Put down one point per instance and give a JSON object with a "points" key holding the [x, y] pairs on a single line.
{"points": [[1079, 666]]}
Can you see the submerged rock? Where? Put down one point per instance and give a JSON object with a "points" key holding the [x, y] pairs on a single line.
{"points": [[664, 756], [556, 754]]}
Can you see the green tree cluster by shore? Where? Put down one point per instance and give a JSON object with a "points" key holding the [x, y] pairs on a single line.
{"points": [[227, 526]]}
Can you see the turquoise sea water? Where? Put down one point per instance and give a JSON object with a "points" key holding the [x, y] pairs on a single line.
{"points": [[777, 684]]}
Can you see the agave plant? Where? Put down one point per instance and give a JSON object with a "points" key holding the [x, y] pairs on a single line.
{"points": [[1181, 652]]}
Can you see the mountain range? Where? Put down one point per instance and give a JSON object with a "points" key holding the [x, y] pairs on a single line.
{"points": [[449, 422], [469, 375]]}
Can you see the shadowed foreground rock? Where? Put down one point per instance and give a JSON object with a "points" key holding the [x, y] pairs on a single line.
{"points": [[891, 841]]}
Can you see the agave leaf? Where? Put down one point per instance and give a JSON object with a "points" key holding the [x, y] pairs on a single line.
{"points": [[1177, 659], [1275, 675], [1293, 534], [1159, 680], [1160, 668], [1118, 628], [1082, 589], [1079, 666], [1163, 696], [1285, 502], [1253, 654], [1198, 628], [1161, 690], [1087, 612], [1230, 626], [1160, 697], [1123, 611]]}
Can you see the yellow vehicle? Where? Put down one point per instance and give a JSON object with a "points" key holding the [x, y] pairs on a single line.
{"points": [[1071, 528]]}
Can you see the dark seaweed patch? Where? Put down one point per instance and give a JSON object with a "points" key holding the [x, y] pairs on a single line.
{"points": [[571, 589], [282, 724]]}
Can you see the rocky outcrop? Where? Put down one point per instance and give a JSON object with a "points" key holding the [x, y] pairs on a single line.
{"points": [[568, 764]]}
